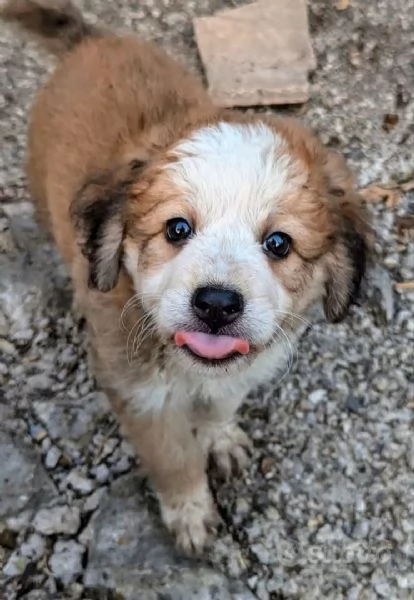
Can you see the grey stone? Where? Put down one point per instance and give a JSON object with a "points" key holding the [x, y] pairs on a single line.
{"points": [[24, 484], [16, 565], [29, 552], [57, 519], [406, 582], [40, 382], [382, 286], [92, 502], [6, 347], [34, 547], [66, 561], [101, 473], [79, 482], [130, 550], [317, 396], [64, 418], [52, 457]]}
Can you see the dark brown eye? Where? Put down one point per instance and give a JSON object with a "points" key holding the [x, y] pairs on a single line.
{"points": [[178, 230], [277, 244]]}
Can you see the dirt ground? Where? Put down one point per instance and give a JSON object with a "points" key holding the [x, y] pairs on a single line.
{"points": [[326, 510]]}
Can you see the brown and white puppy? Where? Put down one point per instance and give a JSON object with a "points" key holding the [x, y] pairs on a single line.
{"points": [[196, 238]]}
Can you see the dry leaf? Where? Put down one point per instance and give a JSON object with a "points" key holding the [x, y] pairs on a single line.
{"points": [[393, 199], [342, 4], [405, 285], [390, 121], [407, 186], [405, 221], [377, 193]]}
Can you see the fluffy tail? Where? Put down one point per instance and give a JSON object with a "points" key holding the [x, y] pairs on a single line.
{"points": [[58, 23]]}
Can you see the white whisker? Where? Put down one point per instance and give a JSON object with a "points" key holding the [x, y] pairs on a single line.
{"points": [[294, 317], [135, 301], [147, 330], [132, 336], [292, 356]]}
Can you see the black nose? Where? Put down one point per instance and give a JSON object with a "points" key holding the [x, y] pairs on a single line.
{"points": [[217, 306]]}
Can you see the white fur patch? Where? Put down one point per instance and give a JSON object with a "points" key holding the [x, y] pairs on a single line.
{"points": [[233, 169], [190, 517]]}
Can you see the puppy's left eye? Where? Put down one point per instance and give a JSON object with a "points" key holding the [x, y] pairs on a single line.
{"points": [[178, 230], [277, 244]]}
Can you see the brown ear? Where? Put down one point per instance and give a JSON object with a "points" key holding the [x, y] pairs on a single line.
{"points": [[99, 217], [347, 263]]}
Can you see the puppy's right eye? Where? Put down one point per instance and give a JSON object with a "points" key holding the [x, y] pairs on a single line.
{"points": [[277, 244], [178, 230]]}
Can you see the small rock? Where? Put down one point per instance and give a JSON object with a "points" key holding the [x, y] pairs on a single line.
{"points": [[267, 466], [354, 593], [242, 506], [34, 547], [383, 292], [40, 382], [15, 565], [66, 561], [68, 357], [79, 482], [20, 522], [38, 433], [381, 383], [52, 457], [68, 420], [94, 499], [86, 535], [3, 369], [46, 444], [265, 557], [326, 534], [24, 483], [406, 582], [101, 473], [383, 589], [6, 347], [122, 465], [109, 447], [23, 337], [317, 396], [315, 521], [57, 519], [353, 403]]}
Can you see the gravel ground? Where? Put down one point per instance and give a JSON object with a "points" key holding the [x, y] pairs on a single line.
{"points": [[326, 510]]}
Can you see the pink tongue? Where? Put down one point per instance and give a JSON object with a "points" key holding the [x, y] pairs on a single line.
{"points": [[211, 346]]}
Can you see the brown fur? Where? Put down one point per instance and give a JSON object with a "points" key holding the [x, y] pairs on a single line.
{"points": [[98, 134]]}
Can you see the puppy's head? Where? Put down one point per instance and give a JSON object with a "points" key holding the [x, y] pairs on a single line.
{"points": [[229, 237]]}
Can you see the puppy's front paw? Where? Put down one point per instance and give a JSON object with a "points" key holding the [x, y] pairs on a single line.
{"points": [[191, 518], [228, 446]]}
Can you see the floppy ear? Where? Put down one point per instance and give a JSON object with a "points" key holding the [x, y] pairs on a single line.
{"points": [[99, 217], [347, 262]]}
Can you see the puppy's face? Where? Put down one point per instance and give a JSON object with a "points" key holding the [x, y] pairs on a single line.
{"points": [[230, 238]]}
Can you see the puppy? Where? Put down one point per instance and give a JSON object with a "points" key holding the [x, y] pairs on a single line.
{"points": [[196, 238]]}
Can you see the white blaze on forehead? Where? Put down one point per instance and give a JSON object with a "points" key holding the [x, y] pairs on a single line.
{"points": [[228, 168]]}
